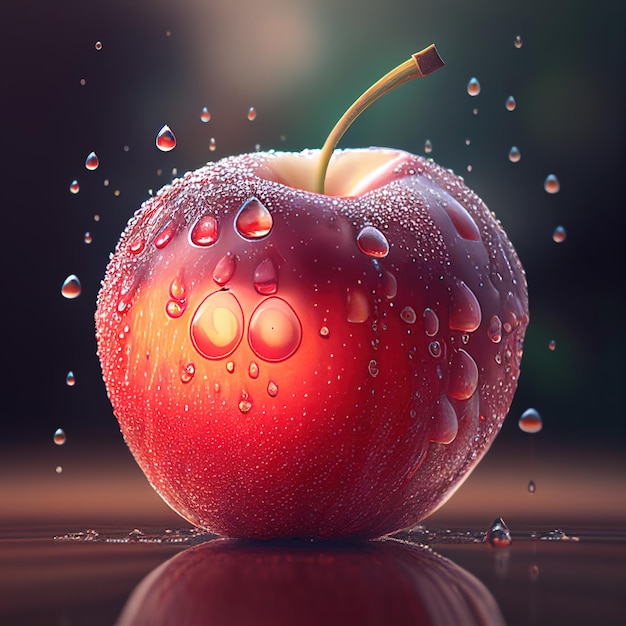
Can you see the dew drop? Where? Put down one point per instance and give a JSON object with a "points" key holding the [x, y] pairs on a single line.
{"points": [[434, 348], [59, 437], [70, 379], [530, 421], [428, 146], [87, 238], [559, 235], [372, 368], [230, 367], [205, 116], [324, 332], [253, 369], [518, 41], [137, 245], [463, 376], [465, 313], [531, 486], [473, 87], [372, 242], [165, 139], [266, 278], [272, 389], [204, 231], [510, 103], [175, 309], [217, 325], [74, 187], [225, 269], [165, 235], [445, 425], [431, 322], [499, 535], [212, 144], [494, 330], [92, 161], [188, 373], [251, 114], [253, 220], [98, 45], [358, 307], [514, 154], [275, 331], [408, 315], [551, 184], [552, 345], [71, 287]]}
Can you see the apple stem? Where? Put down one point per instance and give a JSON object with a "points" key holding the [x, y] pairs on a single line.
{"points": [[420, 64]]}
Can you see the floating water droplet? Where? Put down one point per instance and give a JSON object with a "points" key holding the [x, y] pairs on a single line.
{"points": [[87, 238], [551, 184], [253, 221], [475, 111], [530, 421], [165, 139], [204, 231], [212, 144], [552, 345], [188, 372], [266, 278], [434, 347], [74, 187], [217, 325], [251, 114], [324, 332], [59, 469], [205, 116], [431, 322], [272, 389], [465, 312], [531, 486], [92, 161], [59, 437], [175, 309], [518, 41], [71, 287], [463, 376], [275, 331], [126, 148], [559, 235], [225, 269], [83, 82], [70, 379], [510, 103], [358, 306], [445, 424], [499, 535], [473, 87], [253, 370], [514, 154], [98, 45], [165, 235], [468, 142], [428, 146], [494, 330], [372, 242], [372, 368]]}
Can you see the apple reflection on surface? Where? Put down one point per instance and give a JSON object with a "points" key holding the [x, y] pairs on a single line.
{"points": [[383, 582]]}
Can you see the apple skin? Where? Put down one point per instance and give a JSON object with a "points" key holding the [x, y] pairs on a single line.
{"points": [[322, 366], [226, 581]]}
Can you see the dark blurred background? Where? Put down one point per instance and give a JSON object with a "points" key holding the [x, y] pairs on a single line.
{"points": [[300, 63]]}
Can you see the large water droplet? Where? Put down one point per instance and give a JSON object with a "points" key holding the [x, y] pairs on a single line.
{"points": [[137, 244], [272, 389], [275, 331], [253, 220], [431, 322], [177, 288], [514, 154], [559, 235], [165, 235], [204, 231], [408, 315], [251, 114], [92, 161], [266, 278], [499, 535], [71, 287], [74, 187], [530, 421], [59, 437], [217, 325], [462, 220], [372, 242], [205, 116], [253, 370], [175, 309], [225, 269], [463, 376], [494, 330], [510, 103], [465, 313], [435, 350], [446, 424], [70, 379], [473, 87], [551, 184], [358, 306], [165, 139]]}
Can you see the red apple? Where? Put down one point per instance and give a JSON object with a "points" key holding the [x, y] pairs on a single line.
{"points": [[289, 363]]}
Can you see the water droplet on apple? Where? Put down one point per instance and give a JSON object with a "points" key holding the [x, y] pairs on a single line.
{"points": [[165, 139], [74, 187], [358, 307], [510, 103], [217, 325], [431, 322], [188, 373], [428, 146], [275, 331], [230, 368], [559, 235], [434, 348], [251, 114], [552, 345], [272, 389], [498, 535], [175, 309], [514, 154], [530, 421], [205, 231], [70, 379], [408, 315], [389, 285], [445, 424], [137, 245], [244, 404], [253, 220], [372, 242], [212, 144], [462, 220], [266, 278], [324, 332], [494, 330], [531, 486], [551, 184], [253, 370], [92, 161], [463, 376], [177, 288], [465, 312], [473, 87], [59, 437], [372, 368], [71, 287], [225, 269], [518, 41], [205, 116], [165, 235]]}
